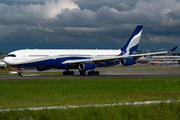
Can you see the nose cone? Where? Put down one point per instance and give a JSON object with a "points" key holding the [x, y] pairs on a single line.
{"points": [[7, 60], [4, 60]]}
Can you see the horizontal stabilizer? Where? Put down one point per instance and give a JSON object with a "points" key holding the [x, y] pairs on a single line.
{"points": [[173, 49]]}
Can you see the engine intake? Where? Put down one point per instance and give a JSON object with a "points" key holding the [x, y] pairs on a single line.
{"points": [[86, 66], [127, 61]]}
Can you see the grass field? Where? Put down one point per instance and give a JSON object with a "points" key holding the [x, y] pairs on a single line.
{"points": [[162, 111], [49, 92]]}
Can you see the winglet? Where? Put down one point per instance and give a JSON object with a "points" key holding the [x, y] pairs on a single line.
{"points": [[173, 49]]}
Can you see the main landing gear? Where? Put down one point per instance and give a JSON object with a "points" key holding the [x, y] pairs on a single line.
{"points": [[93, 73], [67, 72], [90, 73], [82, 73]]}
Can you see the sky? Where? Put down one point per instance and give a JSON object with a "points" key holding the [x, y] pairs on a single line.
{"points": [[88, 24]]}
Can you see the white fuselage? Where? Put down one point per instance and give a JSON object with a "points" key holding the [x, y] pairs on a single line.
{"points": [[30, 57]]}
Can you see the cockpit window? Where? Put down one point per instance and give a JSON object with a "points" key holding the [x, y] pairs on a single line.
{"points": [[11, 55]]}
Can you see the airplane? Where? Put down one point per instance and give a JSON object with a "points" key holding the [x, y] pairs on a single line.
{"points": [[84, 60]]}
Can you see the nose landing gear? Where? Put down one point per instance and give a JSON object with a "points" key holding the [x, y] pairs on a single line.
{"points": [[20, 72]]}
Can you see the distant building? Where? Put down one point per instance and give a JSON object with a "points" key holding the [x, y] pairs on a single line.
{"points": [[173, 59]]}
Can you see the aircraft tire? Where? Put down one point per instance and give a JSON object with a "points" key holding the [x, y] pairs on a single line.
{"points": [[97, 73], [93, 73], [72, 73], [82, 73], [64, 73], [89, 73], [21, 73]]}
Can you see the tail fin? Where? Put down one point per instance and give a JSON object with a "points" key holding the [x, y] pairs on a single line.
{"points": [[133, 42]]}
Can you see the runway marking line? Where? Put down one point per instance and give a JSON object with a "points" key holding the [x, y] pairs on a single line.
{"points": [[91, 105]]}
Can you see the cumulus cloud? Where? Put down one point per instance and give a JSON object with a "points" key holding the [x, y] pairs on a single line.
{"points": [[50, 9]]}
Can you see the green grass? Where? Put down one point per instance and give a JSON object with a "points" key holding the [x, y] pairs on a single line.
{"points": [[162, 111], [4, 72], [49, 92]]}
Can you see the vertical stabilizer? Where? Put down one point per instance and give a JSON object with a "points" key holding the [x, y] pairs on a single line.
{"points": [[133, 42]]}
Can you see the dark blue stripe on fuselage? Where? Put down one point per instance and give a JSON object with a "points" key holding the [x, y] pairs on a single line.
{"points": [[53, 63], [57, 63]]}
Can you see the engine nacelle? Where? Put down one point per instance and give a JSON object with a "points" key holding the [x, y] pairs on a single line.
{"points": [[127, 61], [86, 66], [42, 68]]}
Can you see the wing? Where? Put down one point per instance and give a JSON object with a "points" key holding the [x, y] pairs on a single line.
{"points": [[99, 60]]}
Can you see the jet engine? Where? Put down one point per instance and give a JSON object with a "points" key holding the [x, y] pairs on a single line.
{"points": [[86, 66], [127, 61]]}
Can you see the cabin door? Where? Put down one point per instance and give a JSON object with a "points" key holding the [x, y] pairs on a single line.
{"points": [[94, 54], [53, 56], [24, 57]]}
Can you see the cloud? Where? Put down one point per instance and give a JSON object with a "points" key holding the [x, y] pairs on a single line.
{"points": [[67, 13], [162, 39], [123, 7], [26, 0], [91, 21], [50, 9], [159, 10], [40, 28]]}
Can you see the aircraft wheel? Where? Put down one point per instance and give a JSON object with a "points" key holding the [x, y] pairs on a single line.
{"points": [[89, 73], [72, 73], [68, 72], [93, 73], [64, 72], [21, 73], [82, 73], [97, 73]]}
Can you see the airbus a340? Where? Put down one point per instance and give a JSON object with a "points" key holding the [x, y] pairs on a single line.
{"points": [[84, 60]]}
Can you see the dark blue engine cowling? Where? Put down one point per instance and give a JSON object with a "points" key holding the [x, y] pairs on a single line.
{"points": [[127, 61], [86, 66]]}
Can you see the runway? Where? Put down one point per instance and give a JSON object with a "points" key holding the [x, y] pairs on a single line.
{"points": [[34, 76], [141, 71]]}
